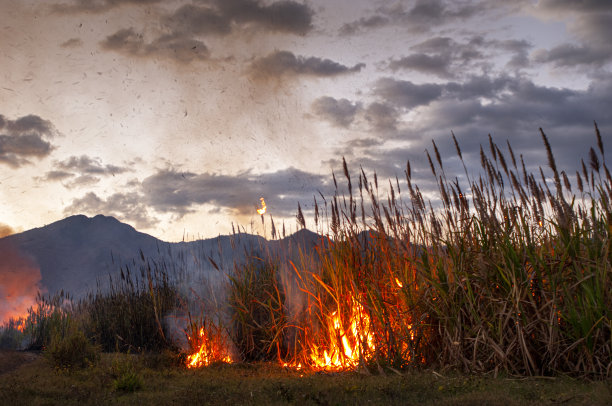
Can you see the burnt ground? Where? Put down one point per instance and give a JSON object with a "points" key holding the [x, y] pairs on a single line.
{"points": [[11, 360]]}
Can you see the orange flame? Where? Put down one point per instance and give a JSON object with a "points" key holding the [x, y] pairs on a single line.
{"points": [[263, 209], [211, 348], [346, 347]]}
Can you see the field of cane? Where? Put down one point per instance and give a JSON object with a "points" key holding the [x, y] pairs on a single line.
{"points": [[498, 289]]}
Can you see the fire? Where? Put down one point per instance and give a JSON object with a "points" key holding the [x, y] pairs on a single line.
{"points": [[346, 347], [211, 348], [263, 209], [399, 283]]}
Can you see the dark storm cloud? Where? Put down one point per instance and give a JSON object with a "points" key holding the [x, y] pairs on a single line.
{"points": [[406, 94], [178, 193], [24, 139], [177, 47], [339, 112], [124, 206], [285, 63]]}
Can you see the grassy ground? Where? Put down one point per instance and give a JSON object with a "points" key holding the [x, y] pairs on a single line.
{"points": [[35, 382]]}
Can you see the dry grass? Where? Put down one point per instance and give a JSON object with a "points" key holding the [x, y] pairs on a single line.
{"points": [[38, 383]]}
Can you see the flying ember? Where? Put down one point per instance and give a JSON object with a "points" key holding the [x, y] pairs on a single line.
{"points": [[263, 209]]}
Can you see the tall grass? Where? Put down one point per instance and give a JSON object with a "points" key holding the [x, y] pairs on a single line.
{"points": [[128, 315], [508, 271], [505, 271]]}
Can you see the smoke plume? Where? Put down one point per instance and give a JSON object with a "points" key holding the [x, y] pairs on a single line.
{"points": [[19, 283]]}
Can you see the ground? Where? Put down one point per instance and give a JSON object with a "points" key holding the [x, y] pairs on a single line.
{"points": [[30, 379]]}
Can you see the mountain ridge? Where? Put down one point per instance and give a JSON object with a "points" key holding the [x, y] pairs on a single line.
{"points": [[76, 253]]}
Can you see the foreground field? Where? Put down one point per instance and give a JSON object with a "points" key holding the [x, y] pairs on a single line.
{"points": [[151, 380]]}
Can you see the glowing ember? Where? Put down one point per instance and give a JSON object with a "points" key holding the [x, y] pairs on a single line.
{"points": [[211, 348], [346, 347], [399, 283], [262, 211]]}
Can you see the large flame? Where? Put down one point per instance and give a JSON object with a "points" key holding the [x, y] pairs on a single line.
{"points": [[210, 347], [346, 348], [263, 209]]}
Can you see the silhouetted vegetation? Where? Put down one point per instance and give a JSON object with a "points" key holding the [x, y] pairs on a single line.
{"points": [[505, 271]]}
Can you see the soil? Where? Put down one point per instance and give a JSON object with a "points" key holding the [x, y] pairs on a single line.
{"points": [[11, 360]]}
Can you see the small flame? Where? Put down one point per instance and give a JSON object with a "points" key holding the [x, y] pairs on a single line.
{"points": [[399, 283], [263, 209], [211, 349]]}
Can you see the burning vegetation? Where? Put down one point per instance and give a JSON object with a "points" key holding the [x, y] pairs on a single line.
{"points": [[506, 272]]}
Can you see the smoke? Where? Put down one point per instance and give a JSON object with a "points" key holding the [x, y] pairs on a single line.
{"points": [[6, 230], [19, 283]]}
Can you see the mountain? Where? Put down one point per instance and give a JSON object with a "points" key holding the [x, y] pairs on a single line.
{"points": [[76, 253]]}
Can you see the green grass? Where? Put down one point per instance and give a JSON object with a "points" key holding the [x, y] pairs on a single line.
{"points": [[38, 383]]}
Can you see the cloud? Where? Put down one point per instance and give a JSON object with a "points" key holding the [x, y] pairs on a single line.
{"points": [[72, 43], [96, 6], [86, 164], [178, 193], [445, 57], [421, 62], [24, 139], [422, 16], [339, 112], [378, 116], [567, 55], [382, 116], [194, 20], [58, 175], [285, 63], [280, 16], [169, 191], [363, 24], [590, 22], [124, 206], [81, 170], [181, 30], [177, 47], [406, 94], [573, 6]]}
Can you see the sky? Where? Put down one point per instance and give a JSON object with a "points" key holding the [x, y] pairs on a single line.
{"points": [[177, 116]]}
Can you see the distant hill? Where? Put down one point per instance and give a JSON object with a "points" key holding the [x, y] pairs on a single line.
{"points": [[76, 252]]}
